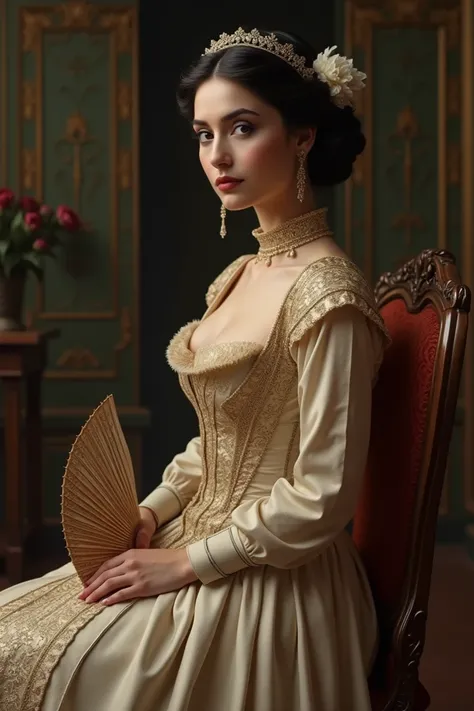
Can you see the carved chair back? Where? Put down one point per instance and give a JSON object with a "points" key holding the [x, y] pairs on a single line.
{"points": [[425, 308]]}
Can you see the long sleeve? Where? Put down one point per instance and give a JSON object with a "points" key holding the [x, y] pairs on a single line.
{"points": [[335, 363], [179, 484]]}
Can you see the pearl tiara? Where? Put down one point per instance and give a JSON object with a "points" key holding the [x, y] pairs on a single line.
{"points": [[332, 69]]}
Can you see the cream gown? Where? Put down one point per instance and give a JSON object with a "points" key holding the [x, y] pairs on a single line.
{"points": [[282, 618]]}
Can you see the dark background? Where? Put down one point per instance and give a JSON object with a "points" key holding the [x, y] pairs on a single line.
{"points": [[182, 251]]}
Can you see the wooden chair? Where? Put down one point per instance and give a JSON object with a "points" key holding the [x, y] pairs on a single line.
{"points": [[425, 308]]}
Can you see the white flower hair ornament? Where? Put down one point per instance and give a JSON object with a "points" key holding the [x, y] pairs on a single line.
{"points": [[340, 74]]}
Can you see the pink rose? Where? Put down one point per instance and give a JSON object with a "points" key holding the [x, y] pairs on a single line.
{"points": [[67, 218], [6, 198], [40, 245], [28, 204], [32, 221], [45, 210]]}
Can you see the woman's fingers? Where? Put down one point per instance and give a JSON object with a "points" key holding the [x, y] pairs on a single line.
{"points": [[109, 586]]}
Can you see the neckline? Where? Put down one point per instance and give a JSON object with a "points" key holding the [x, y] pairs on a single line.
{"points": [[220, 298]]}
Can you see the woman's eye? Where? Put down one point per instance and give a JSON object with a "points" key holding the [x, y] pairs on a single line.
{"points": [[243, 129], [204, 136]]}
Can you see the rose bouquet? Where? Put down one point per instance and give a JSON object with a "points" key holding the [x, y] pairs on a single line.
{"points": [[30, 231]]}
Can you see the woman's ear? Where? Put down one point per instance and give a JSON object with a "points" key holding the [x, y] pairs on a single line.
{"points": [[305, 138]]}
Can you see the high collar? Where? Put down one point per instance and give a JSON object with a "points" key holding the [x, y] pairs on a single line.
{"points": [[290, 235]]}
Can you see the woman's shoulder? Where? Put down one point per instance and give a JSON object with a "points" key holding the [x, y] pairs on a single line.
{"points": [[327, 284]]}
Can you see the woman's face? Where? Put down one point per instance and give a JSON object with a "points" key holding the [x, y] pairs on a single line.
{"points": [[243, 139]]}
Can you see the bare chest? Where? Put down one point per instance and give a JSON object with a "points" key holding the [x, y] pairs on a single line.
{"points": [[249, 309]]}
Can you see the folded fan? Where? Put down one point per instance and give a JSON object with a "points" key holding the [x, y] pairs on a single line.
{"points": [[99, 504]]}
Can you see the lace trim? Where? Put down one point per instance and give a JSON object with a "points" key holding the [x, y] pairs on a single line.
{"points": [[35, 631]]}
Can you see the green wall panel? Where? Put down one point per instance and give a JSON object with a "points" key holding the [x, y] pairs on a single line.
{"points": [[69, 135], [407, 192], [72, 121]]}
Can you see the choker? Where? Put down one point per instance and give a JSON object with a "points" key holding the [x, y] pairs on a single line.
{"points": [[290, 235]]}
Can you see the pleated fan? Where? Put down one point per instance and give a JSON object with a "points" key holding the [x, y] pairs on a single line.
{"points": [[99, 505]]}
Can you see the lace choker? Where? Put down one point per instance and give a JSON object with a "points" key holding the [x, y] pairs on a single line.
{"points": [[291, 234]]}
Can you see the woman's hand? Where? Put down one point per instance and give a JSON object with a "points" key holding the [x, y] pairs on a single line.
{"points": [[146, 529], [139, 573]]}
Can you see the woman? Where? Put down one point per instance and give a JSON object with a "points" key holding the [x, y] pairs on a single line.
{"points": [[251, 596]]}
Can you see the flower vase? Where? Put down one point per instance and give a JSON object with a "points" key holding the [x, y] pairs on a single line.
{"points": [[12, 290]]}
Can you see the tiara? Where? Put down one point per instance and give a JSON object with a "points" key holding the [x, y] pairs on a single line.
{"points": [[332, 69]]}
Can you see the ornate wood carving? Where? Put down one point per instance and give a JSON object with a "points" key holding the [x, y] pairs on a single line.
{"points": [[121, 22], [77, 14], [420, 275], [411, 644]]}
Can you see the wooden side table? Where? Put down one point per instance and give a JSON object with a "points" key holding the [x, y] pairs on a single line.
{"points": [[22, 359]]}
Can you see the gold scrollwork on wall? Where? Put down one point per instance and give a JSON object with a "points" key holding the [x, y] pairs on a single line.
{"points": [[78, 150], [407, 134], [78, 359], [75, 139], [122, 23], [77, 14], [80, 363], [33, 24]]}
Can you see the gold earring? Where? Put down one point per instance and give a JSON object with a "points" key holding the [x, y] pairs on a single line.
{"points": [[301, 177], [223, 227]]}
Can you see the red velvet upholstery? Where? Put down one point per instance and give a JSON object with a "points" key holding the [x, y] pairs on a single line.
{"points": [[384, 520]]}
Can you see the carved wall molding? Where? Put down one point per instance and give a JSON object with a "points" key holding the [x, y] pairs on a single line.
{"points": [[78, 359], [29, 100], [125, 168], [84, 164], [363, 19], [125, 95], [80, 363], [76, 14], [78, 154]]}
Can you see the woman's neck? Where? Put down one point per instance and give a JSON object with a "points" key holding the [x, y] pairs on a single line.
{"points": [[275, 213]]}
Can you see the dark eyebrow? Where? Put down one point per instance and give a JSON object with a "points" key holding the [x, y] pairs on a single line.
{"points": [[228, 117]]}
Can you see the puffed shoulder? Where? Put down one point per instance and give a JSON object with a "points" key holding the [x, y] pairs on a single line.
{"points": [[327, 284], [219, 283]]}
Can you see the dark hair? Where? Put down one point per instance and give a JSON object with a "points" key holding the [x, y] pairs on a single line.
{"points": [[301, 102]]}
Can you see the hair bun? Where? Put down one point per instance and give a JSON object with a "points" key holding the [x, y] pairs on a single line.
{"points": [[339, 140]]}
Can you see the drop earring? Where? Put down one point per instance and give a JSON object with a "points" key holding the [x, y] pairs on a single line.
{"points": [[301, 177], [223, 226]]}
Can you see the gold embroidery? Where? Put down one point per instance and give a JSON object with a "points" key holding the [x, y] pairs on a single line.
{"points": [[236, 432], [35, 630], [327, 284], [226, 276]]}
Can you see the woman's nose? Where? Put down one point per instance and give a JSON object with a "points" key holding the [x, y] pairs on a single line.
{"points": [[220, 155]]}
